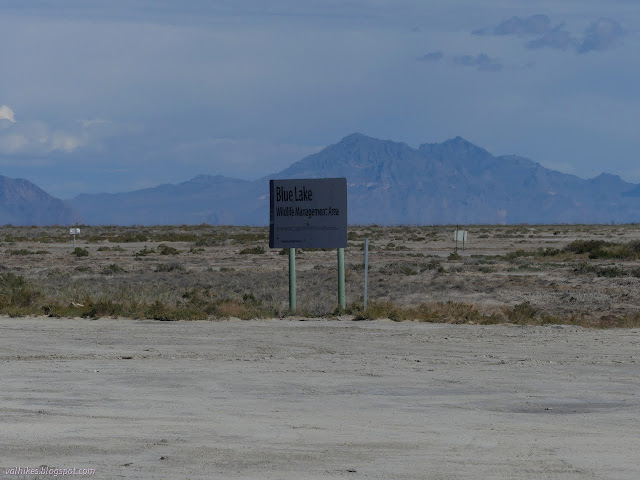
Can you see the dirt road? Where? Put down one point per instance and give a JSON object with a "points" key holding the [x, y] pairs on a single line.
{"points": [[286, 399]]}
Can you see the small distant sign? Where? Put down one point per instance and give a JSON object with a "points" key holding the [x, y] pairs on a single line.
{"points": [[74, 231], [460, 235], [308, 213]]}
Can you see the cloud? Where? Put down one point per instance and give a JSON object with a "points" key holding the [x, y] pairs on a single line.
{"points": [[534, 24], [431, 57], [481, 62], [12, 143], [94, 122], [63, 142], [37, 138], [243, 157], [6, 113], [557, 38], [602, 34]]}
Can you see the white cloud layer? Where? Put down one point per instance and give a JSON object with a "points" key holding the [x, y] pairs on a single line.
{"points": [[6, 113], [37, 138]]}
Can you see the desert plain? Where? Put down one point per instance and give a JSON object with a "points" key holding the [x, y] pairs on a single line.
{"points": [[169, 352]]}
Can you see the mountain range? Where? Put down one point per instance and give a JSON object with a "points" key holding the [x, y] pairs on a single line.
{"points": [[23, 203], [453, 182]]}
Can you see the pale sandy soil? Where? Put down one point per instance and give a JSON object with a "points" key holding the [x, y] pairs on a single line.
{"points": [[285, 399]]}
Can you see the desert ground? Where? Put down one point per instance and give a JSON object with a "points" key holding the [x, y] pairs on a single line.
{"points": [[319, 399], [170, 352], [571, 274]]}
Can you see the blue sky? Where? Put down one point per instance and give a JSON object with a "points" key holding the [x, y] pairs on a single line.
{"points": [[122, 94]]}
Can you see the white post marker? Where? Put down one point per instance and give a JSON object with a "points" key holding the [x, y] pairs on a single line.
{"points": [[460, 236], [74, 232]]}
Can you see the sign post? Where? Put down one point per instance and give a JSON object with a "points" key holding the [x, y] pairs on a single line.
{"points": [[74, 232], [292, 280], [341, 296], [366, 270], [309, 213], [460, 236]]}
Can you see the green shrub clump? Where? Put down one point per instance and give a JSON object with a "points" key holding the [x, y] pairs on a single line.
{"points": [[164, 249], [523, 313], [605, 250], [15, 291], [113, 269], [80, 252], [610, 271], [144, 252]]}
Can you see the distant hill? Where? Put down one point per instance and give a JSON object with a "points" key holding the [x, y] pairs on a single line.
{"points": [[203, 199], [389, 182], [24, 203]]}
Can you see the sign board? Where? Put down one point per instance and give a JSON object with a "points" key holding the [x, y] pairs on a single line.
{"points": [[308, 213], [74, 231], [460, 235]]}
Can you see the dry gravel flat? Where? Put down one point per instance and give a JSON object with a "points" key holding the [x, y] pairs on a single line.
{"points": [[319, 399]]}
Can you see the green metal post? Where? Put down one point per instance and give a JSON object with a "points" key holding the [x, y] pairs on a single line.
{"points": [[366, 271], [341, 299], [292, 280]]}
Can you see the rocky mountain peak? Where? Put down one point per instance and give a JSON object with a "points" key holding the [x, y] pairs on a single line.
{"points": [[24, 203]]}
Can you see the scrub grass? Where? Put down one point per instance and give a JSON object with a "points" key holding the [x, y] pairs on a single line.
{"points": [[520, 275]]}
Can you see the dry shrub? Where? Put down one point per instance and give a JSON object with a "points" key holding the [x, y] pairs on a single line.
{"points": [[112, 269], [522, 313], [614, 321], [233, 308], [144, 252], [164, 249], [604, 250], [15, 291], [437, 312]]}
